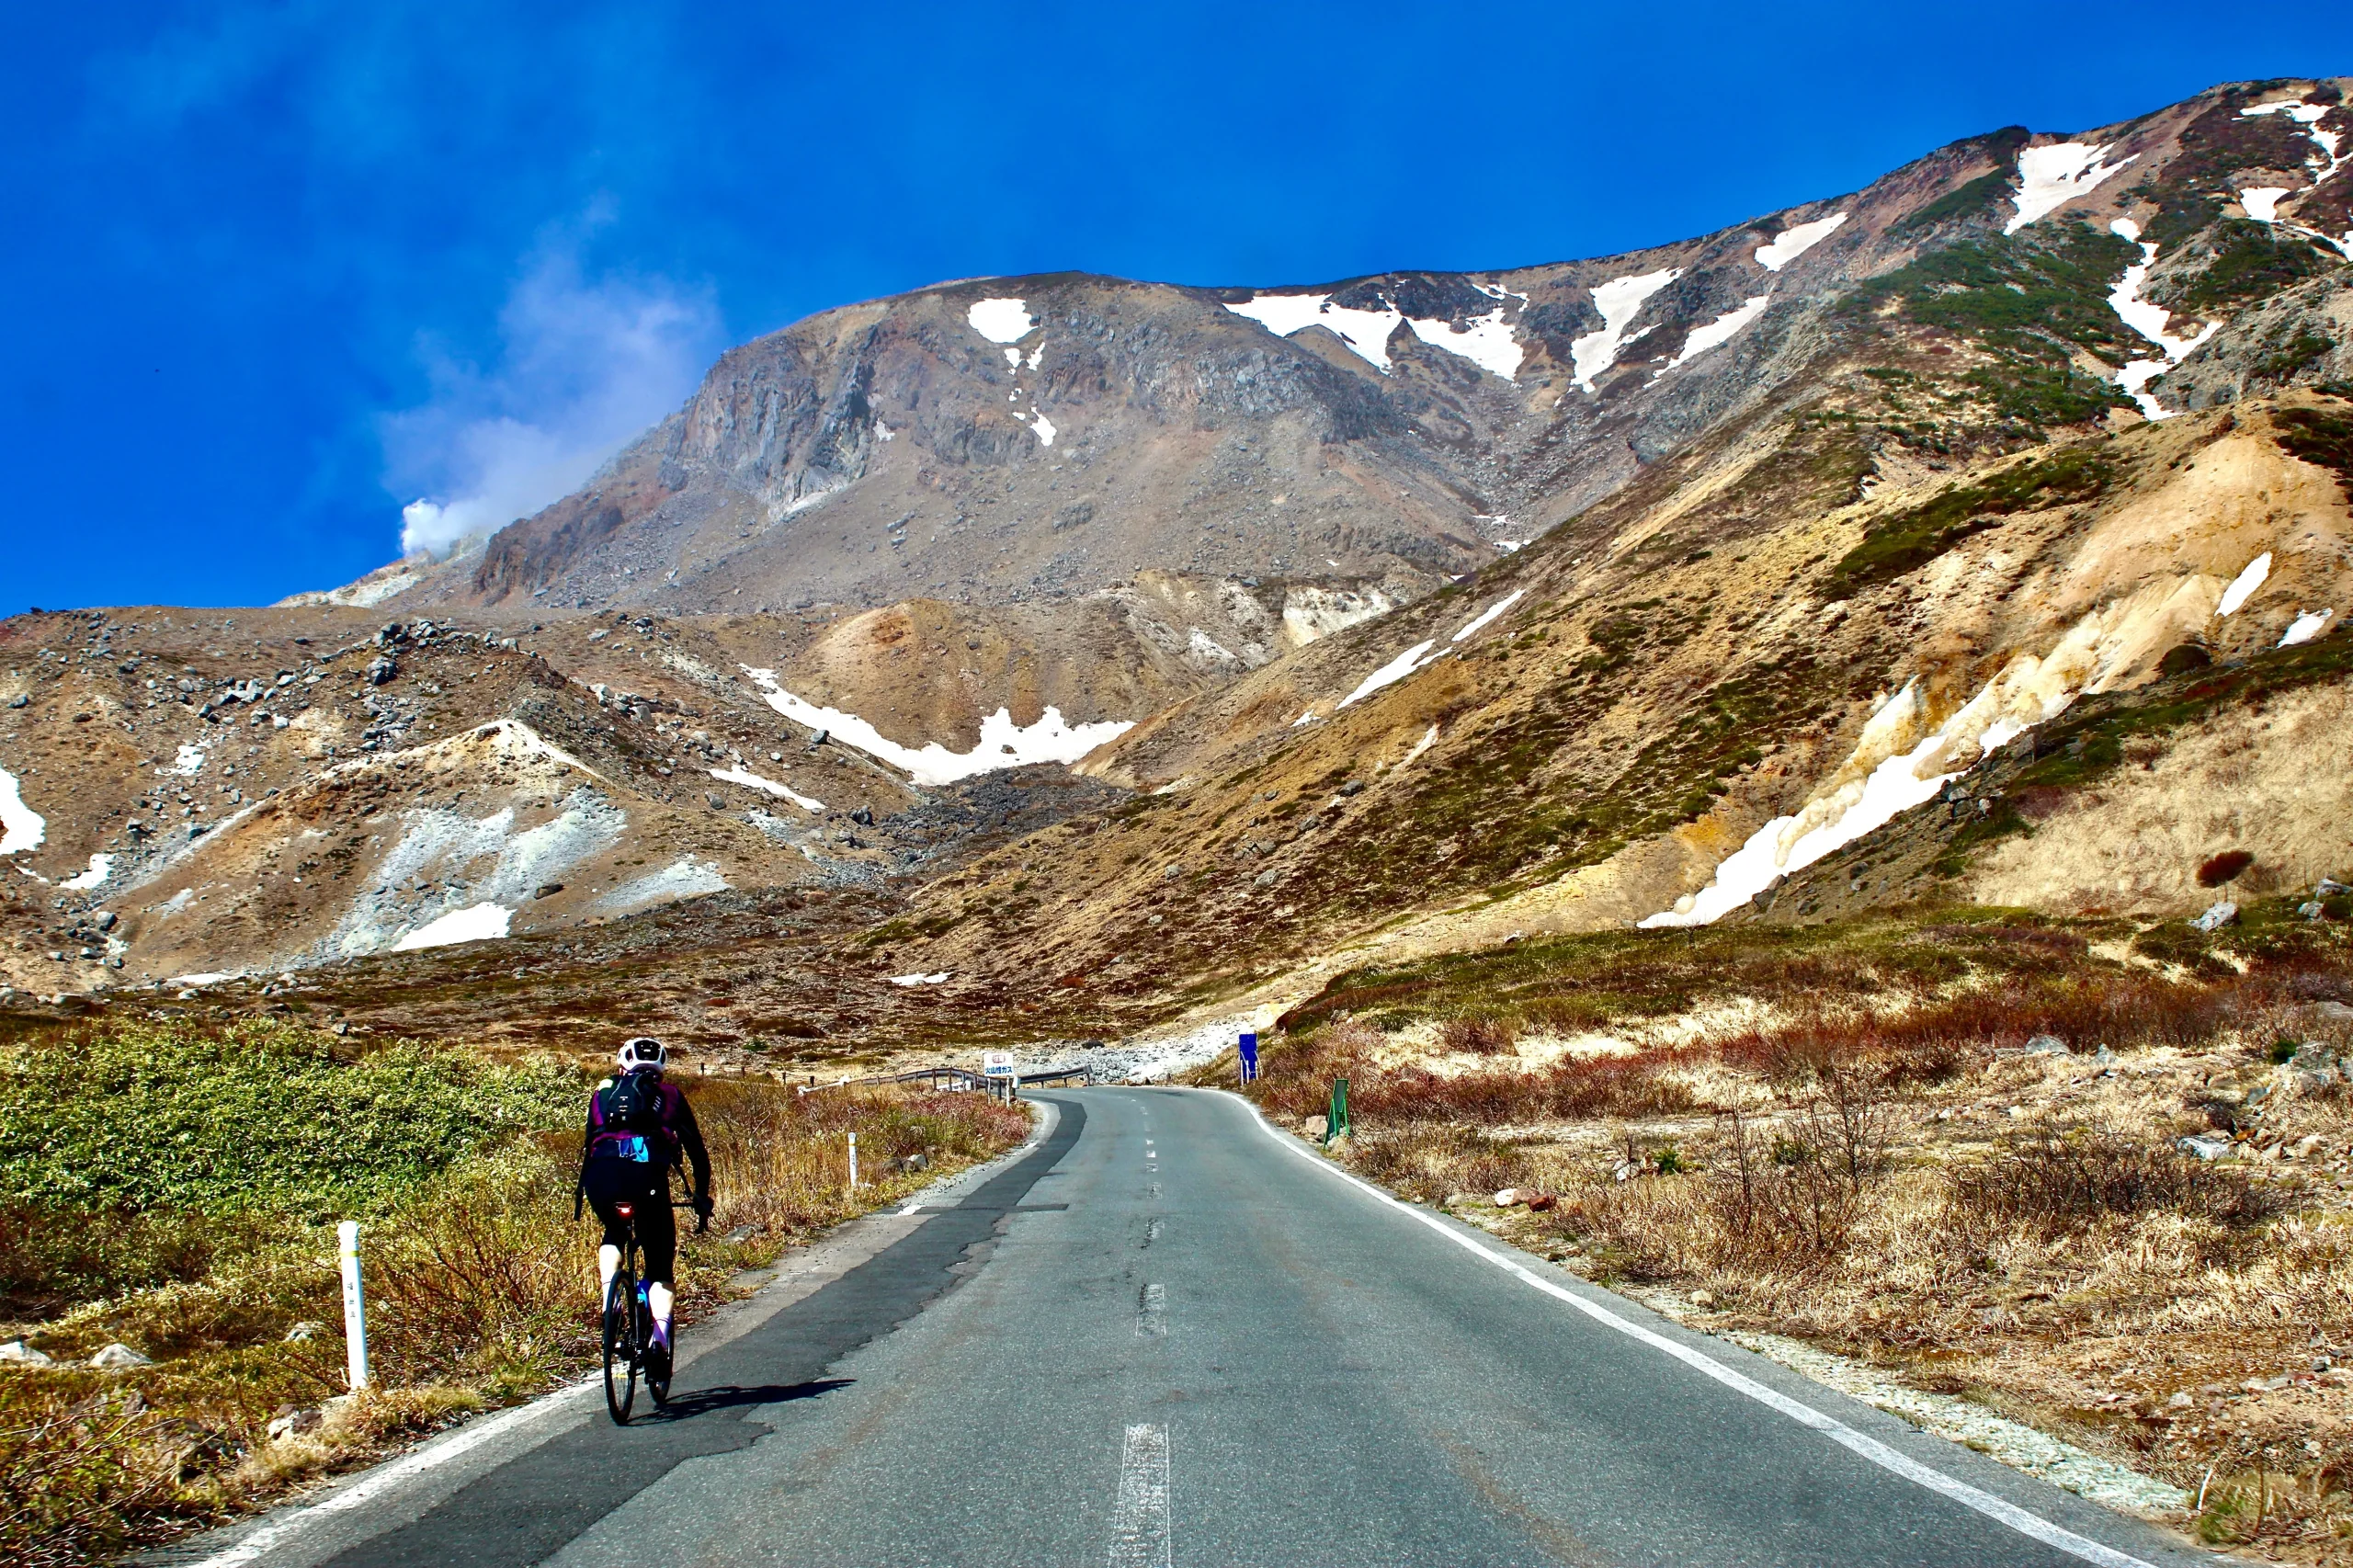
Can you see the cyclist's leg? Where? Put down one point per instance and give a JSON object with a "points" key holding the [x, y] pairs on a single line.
{"points": [[607, 1183], [657, 1231]]}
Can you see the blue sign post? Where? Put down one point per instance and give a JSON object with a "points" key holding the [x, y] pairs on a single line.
{"points": [[1249, 1056]]}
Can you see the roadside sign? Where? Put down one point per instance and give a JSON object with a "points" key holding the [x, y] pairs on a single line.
{"points": [[996, 1064], [1249, 1049]]}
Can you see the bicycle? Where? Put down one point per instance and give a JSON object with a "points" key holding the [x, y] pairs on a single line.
{"points": [[628, 1330]]}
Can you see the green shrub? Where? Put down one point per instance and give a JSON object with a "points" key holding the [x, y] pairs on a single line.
{"points": [[255, 1118], [1905, 542]]}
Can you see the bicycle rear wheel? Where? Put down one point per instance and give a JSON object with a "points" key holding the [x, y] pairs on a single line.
{"points": [[620, 1346]]}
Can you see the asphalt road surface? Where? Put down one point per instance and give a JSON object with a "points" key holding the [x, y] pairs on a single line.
{"points": [[1167, 1335]]}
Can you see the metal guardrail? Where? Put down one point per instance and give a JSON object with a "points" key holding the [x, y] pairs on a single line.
{"points": [[965, 1076]]}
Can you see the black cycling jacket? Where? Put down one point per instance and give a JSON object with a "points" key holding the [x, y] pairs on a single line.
{"points": [[679, 1134]]}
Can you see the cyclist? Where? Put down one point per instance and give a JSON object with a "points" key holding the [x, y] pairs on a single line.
{"points": [[639, 1127]]}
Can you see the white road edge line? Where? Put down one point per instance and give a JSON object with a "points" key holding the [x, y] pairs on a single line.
{"points": [[2030, 1525], [373, 1485], [1140, 1515]]}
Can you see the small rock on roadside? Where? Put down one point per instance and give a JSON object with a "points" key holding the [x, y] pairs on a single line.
{"points": [[2046, 1045], [294, 1424], [2218, 917], [1508, 1197], [118, 1356], [23, 1354]]}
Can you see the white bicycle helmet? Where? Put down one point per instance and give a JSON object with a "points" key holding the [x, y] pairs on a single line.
{"points": [[644, 1050]]}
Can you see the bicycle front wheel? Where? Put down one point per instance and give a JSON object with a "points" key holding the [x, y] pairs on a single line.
{"points": [[620, 1346]]}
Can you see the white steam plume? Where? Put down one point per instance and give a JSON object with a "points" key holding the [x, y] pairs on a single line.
{"points": [[583, 367]]}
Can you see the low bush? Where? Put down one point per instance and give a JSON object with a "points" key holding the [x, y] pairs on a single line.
{"points": [[1476, 1035], [2064, 1181]]}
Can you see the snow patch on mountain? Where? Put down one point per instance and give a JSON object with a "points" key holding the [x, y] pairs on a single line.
{"points": [[1719, 331], [1900, 761], [1389, 673], [21, 827], [751, 780], [1366, 332], [1004, 744], [2308, 625], [478, 922], [2150, 321], [1486, 341], [442, 846], [1002, 320], [1486, 616], [1795, 240], [101, 866], [2050, 177], [2242, 586], [1620, 300]]}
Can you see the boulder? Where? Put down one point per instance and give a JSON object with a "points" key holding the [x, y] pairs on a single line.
{"points": [[2215, 918], [23, 1354], [1316, 1126], [2046, 1045], [1508, 1197], [294, 1424], [118, 1357]]}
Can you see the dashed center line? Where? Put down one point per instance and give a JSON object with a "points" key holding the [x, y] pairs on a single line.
{"points": [[1140, 1515], [1152, 1312]]}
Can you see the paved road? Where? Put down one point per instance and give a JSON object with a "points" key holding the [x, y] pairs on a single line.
{"points": [[1166, 1336]]}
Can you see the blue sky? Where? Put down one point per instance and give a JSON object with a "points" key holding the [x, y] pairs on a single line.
{"points": [[278, 269]]}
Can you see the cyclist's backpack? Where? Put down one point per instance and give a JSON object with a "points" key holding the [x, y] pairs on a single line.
{"points": [[634, 1103]]}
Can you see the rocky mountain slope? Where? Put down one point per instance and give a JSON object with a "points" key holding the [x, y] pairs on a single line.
{"points": [[1416, 610]]}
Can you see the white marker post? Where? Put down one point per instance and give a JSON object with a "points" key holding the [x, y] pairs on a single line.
{"points": [[355, 1305], [853, 1162]]}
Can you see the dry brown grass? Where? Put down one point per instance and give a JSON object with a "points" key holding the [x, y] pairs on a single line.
{"points": [[1875, 1162]]}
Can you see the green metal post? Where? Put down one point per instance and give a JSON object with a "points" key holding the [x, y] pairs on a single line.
{"points": [[1335, 1125]]}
